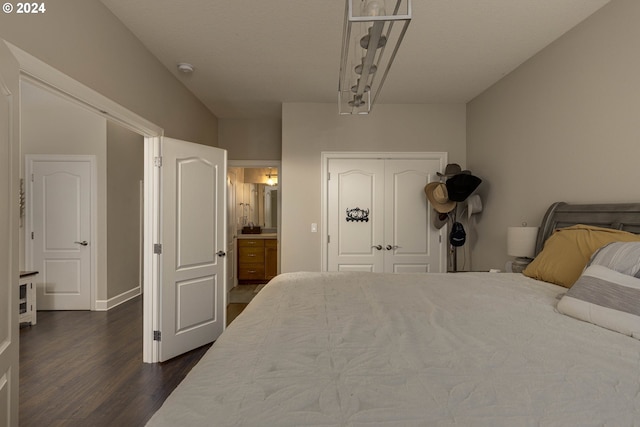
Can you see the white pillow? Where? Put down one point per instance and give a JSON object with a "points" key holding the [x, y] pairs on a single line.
{"points": [[605, 298], [623, 257]]}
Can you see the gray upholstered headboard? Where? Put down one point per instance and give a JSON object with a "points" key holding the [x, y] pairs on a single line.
{"points": [[620, 216]]}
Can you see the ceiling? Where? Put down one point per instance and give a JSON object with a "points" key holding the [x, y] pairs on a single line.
{"points": [[250, 56]]}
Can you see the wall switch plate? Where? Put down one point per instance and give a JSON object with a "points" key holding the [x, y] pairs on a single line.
{"points": [[314, 227]]}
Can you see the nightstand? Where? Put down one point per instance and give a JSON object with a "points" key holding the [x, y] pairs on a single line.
{"points": [[518, 265]]}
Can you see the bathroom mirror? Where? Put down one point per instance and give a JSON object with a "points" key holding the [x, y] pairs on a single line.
{"points": [[260, 205], [256, 197]]}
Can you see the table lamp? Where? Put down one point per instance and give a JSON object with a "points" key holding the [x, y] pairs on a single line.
{"points": [[521, 243]]}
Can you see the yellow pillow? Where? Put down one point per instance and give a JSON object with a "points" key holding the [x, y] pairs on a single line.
{"points": [[567, 251]]}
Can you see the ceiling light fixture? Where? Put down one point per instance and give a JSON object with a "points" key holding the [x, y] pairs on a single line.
{"points": [[270, 180], [185, 67], [368, 32]]}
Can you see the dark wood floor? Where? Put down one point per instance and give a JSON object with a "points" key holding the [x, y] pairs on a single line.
{"points": [[80, 368]]}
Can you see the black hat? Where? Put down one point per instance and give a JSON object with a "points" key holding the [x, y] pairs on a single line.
{"points": [[458, 236], [460, 186]]}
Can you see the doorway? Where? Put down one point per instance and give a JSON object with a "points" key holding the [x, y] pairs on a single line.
{"points": [[255, 194], [136, 164], [22, 67], [56, 127], [93, 104]]}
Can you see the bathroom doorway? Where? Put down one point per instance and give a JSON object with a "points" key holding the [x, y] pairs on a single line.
{"points": [[254, 200]]}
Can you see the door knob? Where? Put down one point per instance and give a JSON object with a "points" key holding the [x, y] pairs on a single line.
{"points": [[221, 253], [83, 243], [389, 247], [378, 247]]}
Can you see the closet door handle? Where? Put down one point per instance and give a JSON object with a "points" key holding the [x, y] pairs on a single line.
{"points": [[378, 247], [389, 247]]}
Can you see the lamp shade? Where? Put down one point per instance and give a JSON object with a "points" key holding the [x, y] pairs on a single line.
{"points": [[521, 241]]}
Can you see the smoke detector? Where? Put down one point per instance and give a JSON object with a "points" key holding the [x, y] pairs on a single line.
{"points": [[185, 68]]}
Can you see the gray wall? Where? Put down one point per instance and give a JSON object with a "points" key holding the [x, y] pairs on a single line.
{"points": [[85, 41], [563, 126], [251, 139], [125, 171], [310, 129]]}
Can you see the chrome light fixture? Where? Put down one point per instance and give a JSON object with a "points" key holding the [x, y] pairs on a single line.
{"points": [[371, 37]]}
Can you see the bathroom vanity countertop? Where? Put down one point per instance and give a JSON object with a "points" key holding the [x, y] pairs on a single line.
{"points": [[258, 236]]}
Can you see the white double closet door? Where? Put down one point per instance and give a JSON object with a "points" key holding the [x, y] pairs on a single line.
{"points": [[378, 216]]}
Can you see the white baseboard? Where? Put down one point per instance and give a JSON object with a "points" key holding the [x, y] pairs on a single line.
{"points": [[104, 305]]}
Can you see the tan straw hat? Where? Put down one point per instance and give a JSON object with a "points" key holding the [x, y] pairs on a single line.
{"points": [[437, 194]]}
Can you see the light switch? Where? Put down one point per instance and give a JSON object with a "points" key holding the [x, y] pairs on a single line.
{"points": [[314, 227]]}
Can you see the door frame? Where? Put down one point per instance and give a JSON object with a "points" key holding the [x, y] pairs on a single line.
{"points": [[326, 156], [49, 78], [93, 205]]}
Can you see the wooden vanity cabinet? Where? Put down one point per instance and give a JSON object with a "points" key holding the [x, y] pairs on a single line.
{"points": [[257, 260], [270, 258]]}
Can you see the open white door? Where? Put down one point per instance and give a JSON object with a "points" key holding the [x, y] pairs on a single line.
{"points": [[193, 275], [9, 295]]}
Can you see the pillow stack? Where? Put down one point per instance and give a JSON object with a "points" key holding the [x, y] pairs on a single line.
{"points": [[568, 250], [607, 293]]}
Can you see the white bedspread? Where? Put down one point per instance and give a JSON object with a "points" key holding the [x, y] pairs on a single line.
{"points": [[362, 349]]}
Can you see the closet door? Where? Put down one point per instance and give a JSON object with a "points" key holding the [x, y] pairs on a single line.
{"points": [[412, 244], [378, 217], [356, 215]]}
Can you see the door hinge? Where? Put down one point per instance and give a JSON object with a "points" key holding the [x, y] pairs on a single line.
{"points": [[328, 238], [157, 248], [157, 336], [157, 161], [32, 235], [440, 238], [328, 176]]}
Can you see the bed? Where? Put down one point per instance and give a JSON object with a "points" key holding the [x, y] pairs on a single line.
{"points": [[463, 349]]}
